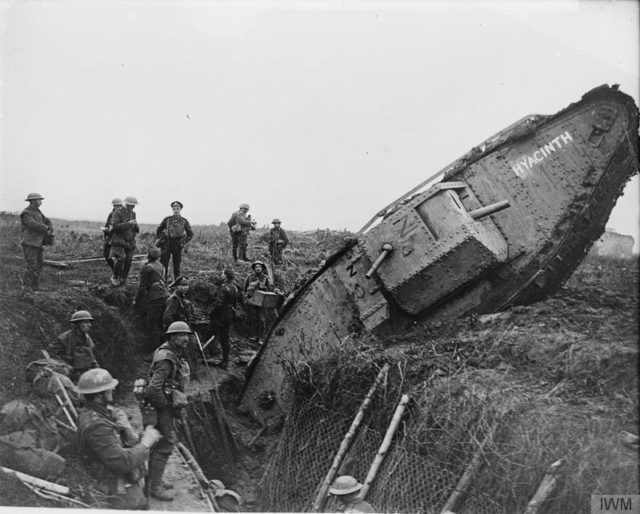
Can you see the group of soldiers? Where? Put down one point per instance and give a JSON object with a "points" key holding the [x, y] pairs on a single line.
{"points": [[130, 466], [120, 231], [114, 453], [173, 233]]}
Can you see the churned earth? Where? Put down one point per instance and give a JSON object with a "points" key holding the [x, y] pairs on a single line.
{"points": [[577, 349]]}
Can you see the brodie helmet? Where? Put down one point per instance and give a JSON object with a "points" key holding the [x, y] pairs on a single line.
{"points": [[345, 484], [96, 380], [178, 327], [80, 316]]}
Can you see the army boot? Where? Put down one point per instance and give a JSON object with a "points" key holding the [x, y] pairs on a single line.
{"points": [[156, 485]]}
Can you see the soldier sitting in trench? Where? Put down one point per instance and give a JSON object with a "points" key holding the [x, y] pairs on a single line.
{"points": [[75, 346], [112, 451]]}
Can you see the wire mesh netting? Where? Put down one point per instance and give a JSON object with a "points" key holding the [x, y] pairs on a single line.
{"points": [[311, 436], [488, 440]]}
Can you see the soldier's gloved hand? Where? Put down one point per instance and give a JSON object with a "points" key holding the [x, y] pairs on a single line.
{"points": [[150, 436]]}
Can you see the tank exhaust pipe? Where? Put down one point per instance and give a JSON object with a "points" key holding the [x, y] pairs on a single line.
{"points": [[489, 209], [387, 248]]}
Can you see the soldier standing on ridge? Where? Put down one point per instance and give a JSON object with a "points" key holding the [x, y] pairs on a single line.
{"points": [[278, 241], [75, 346], [37, 230], [258, 280], [153, 291], [123, 240], [225, 301], [106, 230], [174, 232], [240, 224], [168, 378], [114, 454]]}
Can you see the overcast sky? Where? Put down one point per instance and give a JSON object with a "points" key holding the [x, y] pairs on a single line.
{"points": [[317, 112]]}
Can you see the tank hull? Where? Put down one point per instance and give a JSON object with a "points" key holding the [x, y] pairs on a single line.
{"points": [[452, 254]]}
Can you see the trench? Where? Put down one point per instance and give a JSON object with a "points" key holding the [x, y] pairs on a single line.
{"points": [[207, 434]]}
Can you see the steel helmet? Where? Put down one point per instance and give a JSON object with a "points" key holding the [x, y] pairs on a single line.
{"points": [[244, 206], [33, 196], [131, 200], [116, 201], [276, 220], [253, 266], [96, 380], [345, 484], [178, 327], [80, 316]]}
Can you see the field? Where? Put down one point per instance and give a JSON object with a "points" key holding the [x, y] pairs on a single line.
{"points": [[559, 377]]}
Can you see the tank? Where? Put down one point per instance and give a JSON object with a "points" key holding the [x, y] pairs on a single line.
{"points": [[505, 224]]}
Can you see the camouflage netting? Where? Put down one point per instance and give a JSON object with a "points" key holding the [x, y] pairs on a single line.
{"points": [[513, 433]]}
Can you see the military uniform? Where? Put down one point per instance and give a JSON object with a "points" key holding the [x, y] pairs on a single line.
{"points": [[123, 241], [278, 241], [356, 505], [169, 371], [106, 248], [258, 282], [176, 232], [225, 300], [113, 456], [153, 289], [75, 348], [239, 237], [35, 226], [177, 308]]}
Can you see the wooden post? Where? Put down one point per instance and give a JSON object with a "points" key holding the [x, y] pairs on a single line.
{"points": [[199, 475], [55, 264], [321, 497], [37, 482], [546, 487], [384, 447], [469, 473]]}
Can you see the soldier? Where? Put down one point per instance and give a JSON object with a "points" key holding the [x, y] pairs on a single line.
{"points": [[106, 231], [258, 280], [278, 241], [345, 489], [225, 302], [153, 291], [123, 240], [178, 307], [75, 346], [113, 452], [240, 224], [168, 379], [37, 230], [174, 232]]}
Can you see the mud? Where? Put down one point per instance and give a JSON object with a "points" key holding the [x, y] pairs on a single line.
{"points": [[580, 347]]}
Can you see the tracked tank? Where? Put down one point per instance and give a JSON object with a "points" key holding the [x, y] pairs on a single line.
{"points": [[505, 224]]}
